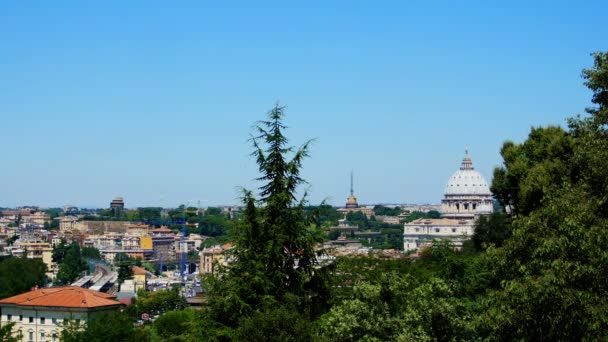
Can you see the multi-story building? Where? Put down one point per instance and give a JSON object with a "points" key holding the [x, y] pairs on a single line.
{"points": [[117, 206], [213, 256], [39, 218], [67, 223], [138, 229], [163, 243], [39, 315], [36, 250]]}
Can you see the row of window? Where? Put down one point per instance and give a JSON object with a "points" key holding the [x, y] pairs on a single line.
{"points": [[31, 319], [30, 334], [437, 230]]}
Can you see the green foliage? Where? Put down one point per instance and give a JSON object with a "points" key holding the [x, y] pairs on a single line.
{"points": [[173, 325], [323, 215], [217, 240], [90, 253], [6, 333], [274, 323], [359, 219], [414, 215], [18, 275], [124, 264], [102, 328], [596, 79], [54, 212], [271, 239], [493, 229], [157, 302], [551, 284], [433, 214], [192, 255], [396, 308], [148, 214], [214, 225], [380, 210], [71, 263], [531, 169], [10, 241]]}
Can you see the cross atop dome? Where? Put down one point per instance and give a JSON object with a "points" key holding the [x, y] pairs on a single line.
{"points": [[467, 163]]}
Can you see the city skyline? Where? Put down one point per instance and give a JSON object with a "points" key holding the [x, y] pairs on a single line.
{"points": [[156, 104]]}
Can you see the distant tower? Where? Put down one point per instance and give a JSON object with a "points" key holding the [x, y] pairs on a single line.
{"points": [[117, 206], [351, 202]]}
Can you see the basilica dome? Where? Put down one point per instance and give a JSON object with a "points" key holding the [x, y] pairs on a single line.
{"points": [[467, 193], [467, 181]]}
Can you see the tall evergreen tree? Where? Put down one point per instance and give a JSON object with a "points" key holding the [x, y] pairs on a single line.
{"points": [[273, 262]]}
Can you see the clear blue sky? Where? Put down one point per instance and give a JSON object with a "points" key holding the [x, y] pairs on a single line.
{"points": [[154, 101]]}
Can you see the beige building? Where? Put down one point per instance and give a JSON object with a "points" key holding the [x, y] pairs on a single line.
{"points": [[39, 315], [422, 232], [138, 229], [36, 250], [213, 256], [39, 218], [389, 219], [67, 223]]}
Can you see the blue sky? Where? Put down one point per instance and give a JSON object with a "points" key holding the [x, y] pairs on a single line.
{"points": [[154, 101]]}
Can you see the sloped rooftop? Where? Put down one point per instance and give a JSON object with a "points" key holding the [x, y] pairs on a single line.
{"points": [[65, 297]]}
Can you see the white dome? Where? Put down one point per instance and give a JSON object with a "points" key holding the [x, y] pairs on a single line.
{"points": [[467, 181]]}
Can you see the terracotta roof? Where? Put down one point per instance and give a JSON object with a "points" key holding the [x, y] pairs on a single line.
{"points": [[139, 271], [126, 301], [67, 297]]}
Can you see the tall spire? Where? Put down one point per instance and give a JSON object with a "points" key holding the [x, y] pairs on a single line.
{"points": [[467, 163], [351, 202]]}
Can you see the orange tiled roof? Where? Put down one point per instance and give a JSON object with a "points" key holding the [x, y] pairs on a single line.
{"points": [[67, 297], [139, 270]]}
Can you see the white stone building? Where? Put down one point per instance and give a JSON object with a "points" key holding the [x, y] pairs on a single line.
{"points": [[39, 315], [466, 196]]}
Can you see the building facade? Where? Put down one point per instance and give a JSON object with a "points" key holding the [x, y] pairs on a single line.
{"points": [[466, 197], [39, 315], [117, 206]]}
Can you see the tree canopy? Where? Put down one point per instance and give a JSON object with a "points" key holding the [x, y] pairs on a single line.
{"points": [[18, 275]]}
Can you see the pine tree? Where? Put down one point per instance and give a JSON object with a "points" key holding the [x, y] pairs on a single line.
{"points": [[273, 262]]}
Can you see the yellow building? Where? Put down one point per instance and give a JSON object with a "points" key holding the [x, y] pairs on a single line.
{"points": [[145, 242], [140, 276], [39, 250]]}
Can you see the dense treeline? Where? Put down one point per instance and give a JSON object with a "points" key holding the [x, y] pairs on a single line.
{"points": [[71, 261]]}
